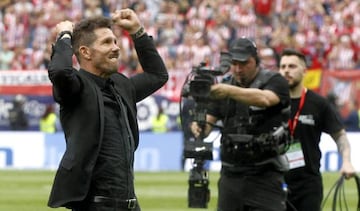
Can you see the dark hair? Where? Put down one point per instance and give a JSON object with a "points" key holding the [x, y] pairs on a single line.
{"points": [[293, 52], [83, 33]]}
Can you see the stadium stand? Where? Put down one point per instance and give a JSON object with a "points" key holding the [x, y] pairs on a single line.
{"points": [[326, 31], [188, 32]]}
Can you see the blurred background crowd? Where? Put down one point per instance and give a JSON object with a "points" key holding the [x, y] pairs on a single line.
{"points": [[188, 32]]}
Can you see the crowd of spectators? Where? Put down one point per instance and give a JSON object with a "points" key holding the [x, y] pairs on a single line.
{"points": [[188, 32]]}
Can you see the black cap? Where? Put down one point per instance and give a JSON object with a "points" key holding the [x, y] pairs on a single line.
{"points": [[242, 49]]}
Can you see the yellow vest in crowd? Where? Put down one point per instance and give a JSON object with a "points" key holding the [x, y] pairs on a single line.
{"points": [[159, 124], [48, 125]]}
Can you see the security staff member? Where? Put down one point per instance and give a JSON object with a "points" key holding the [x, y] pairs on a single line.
{"points": [[253, 105], [160, 122], [47, 122]]}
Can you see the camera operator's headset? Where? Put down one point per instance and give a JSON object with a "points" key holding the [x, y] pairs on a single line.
{"points": [[257, 58]]}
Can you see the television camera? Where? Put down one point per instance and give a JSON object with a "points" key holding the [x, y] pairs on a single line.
{"points": [[196, 89]]}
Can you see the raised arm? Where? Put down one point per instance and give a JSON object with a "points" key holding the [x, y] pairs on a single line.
{"points": [[61, 71]]}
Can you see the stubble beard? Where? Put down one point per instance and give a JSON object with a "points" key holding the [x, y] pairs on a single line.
{"points": [[109, 69], [293, 85]]}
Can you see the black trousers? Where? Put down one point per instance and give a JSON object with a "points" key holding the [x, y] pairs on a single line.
{"points": [[306, 196], [260, 192]]}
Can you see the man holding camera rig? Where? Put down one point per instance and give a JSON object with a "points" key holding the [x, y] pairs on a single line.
{"points": [[253, 105]]}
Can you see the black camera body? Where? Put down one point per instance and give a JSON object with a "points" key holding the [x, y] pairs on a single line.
{"points": [[201, 78], [198, 86]]}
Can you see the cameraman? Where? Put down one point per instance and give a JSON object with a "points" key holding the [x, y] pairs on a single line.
{"points": [[252, 104]]}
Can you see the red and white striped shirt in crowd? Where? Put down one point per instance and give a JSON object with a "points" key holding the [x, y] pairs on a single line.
{"points": [[199, 11], [244, 22], [163, 51], [197, 23], [201, 51], [342, 56], [344, 60]]}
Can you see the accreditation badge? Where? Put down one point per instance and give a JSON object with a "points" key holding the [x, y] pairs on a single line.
{"points": [[295, 155]]}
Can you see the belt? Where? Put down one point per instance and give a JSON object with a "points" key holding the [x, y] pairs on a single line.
{"points": [[127, 204]]}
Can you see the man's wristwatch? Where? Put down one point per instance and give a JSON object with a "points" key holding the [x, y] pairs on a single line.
{"points": [[138, 34], [61, 34]]}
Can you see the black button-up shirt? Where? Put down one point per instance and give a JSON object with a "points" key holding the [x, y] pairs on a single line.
{"points": [[113, 174]]}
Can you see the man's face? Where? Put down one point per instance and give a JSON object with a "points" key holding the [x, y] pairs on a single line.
{"points": [[244, 72], [105, 52], [293, 70]]}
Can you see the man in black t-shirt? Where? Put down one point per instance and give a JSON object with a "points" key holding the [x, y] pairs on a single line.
{"points": [[252, 105], [311, 114]]}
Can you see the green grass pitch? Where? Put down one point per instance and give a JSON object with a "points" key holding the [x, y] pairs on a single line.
{"points": [[157, 191]]}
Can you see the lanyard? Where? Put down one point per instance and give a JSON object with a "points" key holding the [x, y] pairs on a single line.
{"points": [[293, 122]]}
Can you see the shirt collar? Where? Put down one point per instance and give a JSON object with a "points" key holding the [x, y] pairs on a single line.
{"points": [[98, 80]]}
